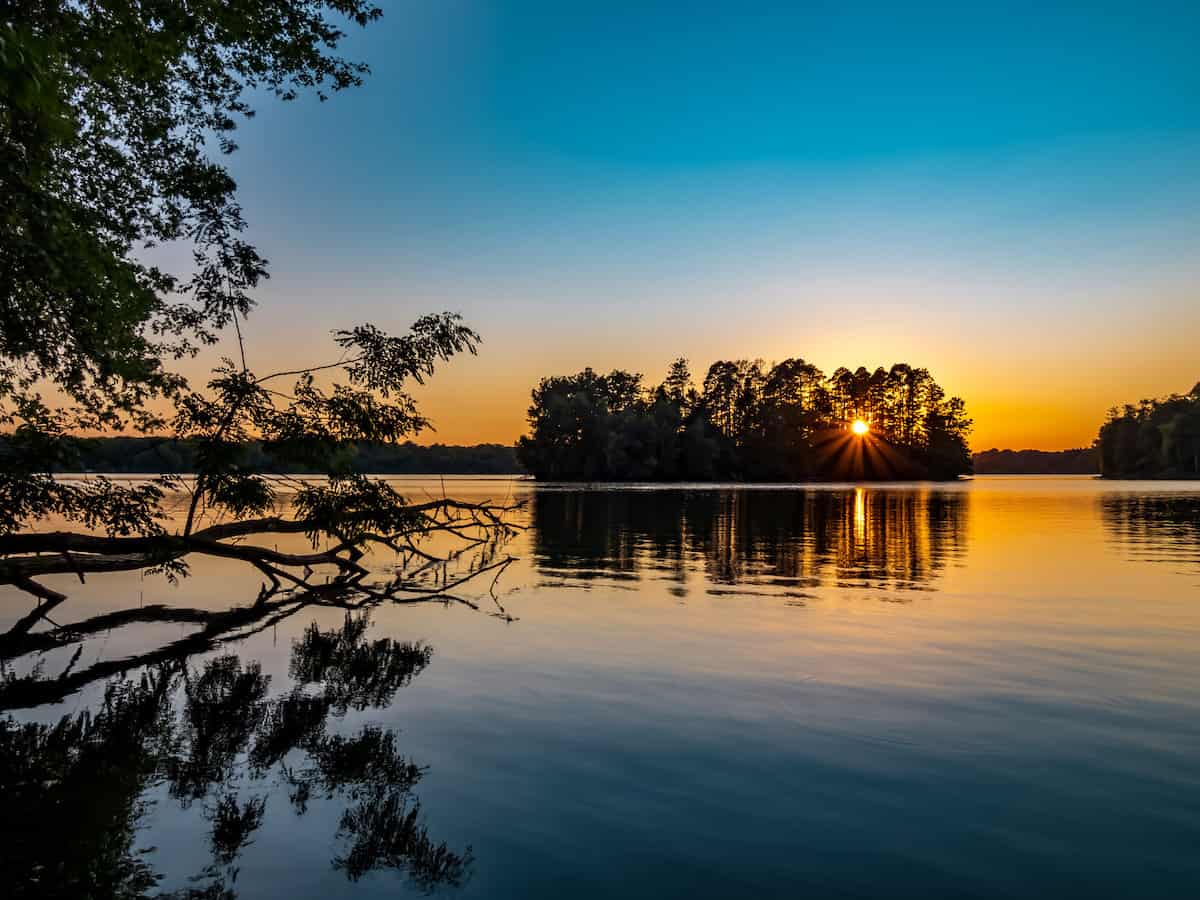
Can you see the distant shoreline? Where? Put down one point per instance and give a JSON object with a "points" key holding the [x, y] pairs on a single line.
{"points": [[1081, 461], [149, 456], [166, 456]]}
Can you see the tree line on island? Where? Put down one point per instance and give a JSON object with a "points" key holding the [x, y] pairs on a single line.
{"points": [[1153, 439], [145, 455], [746, 421]]}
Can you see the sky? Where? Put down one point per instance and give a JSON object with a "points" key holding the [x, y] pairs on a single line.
{"points": [[1006, 194]]}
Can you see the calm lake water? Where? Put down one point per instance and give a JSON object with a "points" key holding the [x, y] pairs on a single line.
{"points": [[986, 689]]}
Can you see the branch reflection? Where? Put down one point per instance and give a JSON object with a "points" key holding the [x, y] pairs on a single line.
{"points": [[213, 738]]}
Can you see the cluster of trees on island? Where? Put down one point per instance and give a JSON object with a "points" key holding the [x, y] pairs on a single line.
{"points": [[746, 421], [1153, 439]]}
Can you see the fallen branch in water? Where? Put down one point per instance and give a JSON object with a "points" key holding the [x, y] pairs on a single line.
{"points": [[480, 530], [214, 628]]}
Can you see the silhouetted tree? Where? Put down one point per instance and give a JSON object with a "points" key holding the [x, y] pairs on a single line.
{"points": [[785, 423], [113, 119], [573, 432], [678, 387], [1154, 439]]}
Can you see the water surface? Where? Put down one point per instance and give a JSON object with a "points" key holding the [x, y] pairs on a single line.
{"points": [[986, 689]]}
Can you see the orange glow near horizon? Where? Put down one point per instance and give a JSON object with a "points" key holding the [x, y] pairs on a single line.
{"points": [[1022, 389], [859, 427]]}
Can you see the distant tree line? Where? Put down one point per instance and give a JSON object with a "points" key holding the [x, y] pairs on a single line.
{"points": [[746, 421], [161, 455], [1153, 439], [1081, 461]]}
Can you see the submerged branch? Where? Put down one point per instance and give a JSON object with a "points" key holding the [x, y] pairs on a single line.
{"points": [[480, 529], [26, 556], [215, 628]]}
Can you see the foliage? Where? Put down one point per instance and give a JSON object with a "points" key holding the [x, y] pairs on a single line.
{"points": [[785, 423], [229, 499], [76, 791], [1154, 439], [114, 118]]}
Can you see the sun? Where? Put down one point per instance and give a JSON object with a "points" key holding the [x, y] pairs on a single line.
{"points": [[859, 427]]}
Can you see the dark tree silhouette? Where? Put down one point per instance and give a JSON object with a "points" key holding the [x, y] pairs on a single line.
{"points": [[1154, 439], [749, 422], [113, 119]]}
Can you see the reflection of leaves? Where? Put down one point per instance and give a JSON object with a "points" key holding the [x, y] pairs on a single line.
{"points": [[224, 708], [72, 795], [73, 791], [294, 720], [356, 674], [369, 758], [233, 825], [385, 832], [214, 891]]}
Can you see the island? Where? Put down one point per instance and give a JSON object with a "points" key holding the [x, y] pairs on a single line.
{"points": [[746, 422]]}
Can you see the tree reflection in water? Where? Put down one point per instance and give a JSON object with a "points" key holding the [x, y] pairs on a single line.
{"points": [[75, 791], [856, 537], [1157, 527]]}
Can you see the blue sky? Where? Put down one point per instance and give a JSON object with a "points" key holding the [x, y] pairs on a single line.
{"points": [[1009, 195]]}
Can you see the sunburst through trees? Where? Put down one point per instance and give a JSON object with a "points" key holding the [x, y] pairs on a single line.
{"points": [[787, 422]]}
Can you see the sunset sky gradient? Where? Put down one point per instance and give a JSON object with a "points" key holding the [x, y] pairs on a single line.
{"points": [[1009, 197]]}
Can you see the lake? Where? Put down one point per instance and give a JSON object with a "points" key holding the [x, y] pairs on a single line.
{"points": [[982, 689]]}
